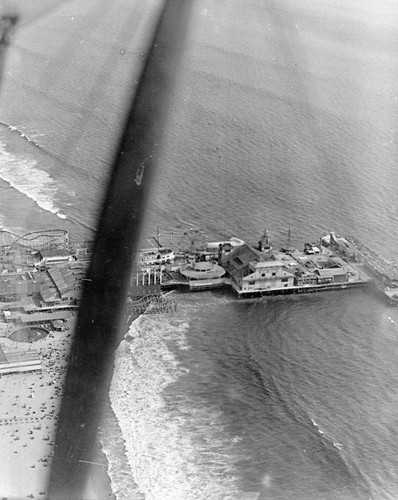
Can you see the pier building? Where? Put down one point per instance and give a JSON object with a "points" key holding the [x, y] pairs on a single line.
{"points": [[265, 271], [267, 275], [52, 271], [203, 275]]}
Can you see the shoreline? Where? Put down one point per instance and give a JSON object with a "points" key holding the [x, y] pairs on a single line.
{"points": [[115, 444], [114, 449], [29, 414], [101, 480]]}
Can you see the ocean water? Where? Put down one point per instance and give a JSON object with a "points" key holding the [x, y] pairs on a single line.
{"points": [[284, 115]]}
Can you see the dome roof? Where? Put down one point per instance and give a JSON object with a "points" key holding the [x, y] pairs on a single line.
{"points": [[202, 270]]}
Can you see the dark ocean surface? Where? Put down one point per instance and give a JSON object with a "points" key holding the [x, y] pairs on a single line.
{"points": [[284, 115]]}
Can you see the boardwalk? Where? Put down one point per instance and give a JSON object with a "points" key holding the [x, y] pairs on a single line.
{"points": [[376, 261]]}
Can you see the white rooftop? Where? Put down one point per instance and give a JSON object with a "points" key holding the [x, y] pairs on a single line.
{"points": [[269, 264]]}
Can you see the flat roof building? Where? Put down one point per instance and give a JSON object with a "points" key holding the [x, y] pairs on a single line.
{"points": [[19, 361], [51, 257], [331, 275]]}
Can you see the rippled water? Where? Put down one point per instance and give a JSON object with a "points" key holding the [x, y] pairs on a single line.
{"points": [[283, 116]]}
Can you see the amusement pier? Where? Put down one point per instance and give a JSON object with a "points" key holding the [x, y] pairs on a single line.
{"points": [[257, 270], [42, 275]]}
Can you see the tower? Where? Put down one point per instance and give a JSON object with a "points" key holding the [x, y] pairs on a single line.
{"points": [[264, 245], [288, 248]]}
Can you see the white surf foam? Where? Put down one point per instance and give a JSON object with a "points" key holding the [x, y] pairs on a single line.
{"points": [[22, 174], [30, 138], [176, 452]]}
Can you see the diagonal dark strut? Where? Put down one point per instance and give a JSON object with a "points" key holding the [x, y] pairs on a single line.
{"points": [[97, 332]]}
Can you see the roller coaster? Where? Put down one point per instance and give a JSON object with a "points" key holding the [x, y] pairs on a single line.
{"points": [[11, 243]]}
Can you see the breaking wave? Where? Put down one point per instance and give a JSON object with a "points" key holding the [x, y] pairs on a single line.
{"points": [[23, 175], [23, 135], [175, 447]]}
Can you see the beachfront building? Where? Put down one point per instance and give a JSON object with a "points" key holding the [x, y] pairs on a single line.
{"points": [[63, 284], [52, 257], [82, 251], [19, 361], [13, 286]]}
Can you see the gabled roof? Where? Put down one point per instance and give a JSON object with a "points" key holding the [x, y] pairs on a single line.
{"points": [[54, 252], [48, 290], [331, 271], [241, 257], [61, 280], [67, 277]]}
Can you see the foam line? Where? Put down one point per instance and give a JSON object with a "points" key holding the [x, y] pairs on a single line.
{"points": [[174, 452], [36, 144], [22, 174], [23, 135]]}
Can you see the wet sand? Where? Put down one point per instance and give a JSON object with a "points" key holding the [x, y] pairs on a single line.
{"points": [[28, 420]]}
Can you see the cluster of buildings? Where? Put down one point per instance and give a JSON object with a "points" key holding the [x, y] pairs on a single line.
{"points": [[255, 270], [266, 271], [55, 278], [41, 279], [39, 286]]}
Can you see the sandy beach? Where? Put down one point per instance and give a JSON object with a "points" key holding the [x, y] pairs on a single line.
{"points": [[28, 420]]}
